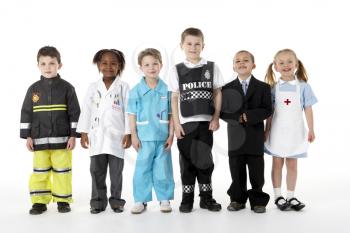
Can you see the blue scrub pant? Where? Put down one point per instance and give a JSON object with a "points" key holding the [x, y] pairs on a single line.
{"points": [[153, 169]]}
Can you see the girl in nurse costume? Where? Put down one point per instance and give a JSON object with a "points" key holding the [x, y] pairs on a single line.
{"points": [[286, 137]]}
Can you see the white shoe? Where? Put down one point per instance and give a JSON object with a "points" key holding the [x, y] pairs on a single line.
{"points": [[165, 206], [138, 208]]}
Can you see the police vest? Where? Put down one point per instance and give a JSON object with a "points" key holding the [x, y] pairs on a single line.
{"points": [[196, 89]]}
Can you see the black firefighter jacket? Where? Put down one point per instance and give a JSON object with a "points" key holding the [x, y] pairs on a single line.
{"points": [[50, 113]]}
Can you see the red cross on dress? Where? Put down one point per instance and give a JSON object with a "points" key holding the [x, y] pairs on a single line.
{"points": [[287, 101]]}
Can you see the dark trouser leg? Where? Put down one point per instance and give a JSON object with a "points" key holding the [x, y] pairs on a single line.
{"points": [[238, 188], [256, 176], [116, 166], [187, 169], [98, 170]]}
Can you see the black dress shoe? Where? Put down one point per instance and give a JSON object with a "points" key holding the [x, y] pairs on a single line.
{"points": [[37, 208], [96, 210], [259, 209], [298, 206], [235, 206], [209, 204], [118, 209], [284, 206], [186, 207], [63, 207]]}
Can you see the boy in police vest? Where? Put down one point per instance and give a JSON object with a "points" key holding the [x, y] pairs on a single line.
{"points": [[196, 101], [49, 116]]}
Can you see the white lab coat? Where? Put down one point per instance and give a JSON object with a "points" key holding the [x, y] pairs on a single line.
{"points": [[104, 118]]}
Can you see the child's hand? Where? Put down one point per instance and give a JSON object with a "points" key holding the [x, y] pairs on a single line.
{"points": [[179, 131], [244, 116], [84, 140], [214, 124], [169, 143], [126, 142], [30, 144], [135, 142], [311, 136], [71, 143]]}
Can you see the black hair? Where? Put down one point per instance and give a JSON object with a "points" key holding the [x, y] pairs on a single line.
{"points": [[118, 54]]}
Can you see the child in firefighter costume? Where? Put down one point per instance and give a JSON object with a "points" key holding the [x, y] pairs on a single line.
{"points": [[196, 101], [49, 116]]}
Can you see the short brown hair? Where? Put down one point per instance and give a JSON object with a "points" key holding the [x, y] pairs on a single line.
{"points": [[191, 32], [149, 52], [249, 53], [49, 51]]}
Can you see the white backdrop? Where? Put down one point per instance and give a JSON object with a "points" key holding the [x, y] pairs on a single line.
{"points": [[316, 30]]}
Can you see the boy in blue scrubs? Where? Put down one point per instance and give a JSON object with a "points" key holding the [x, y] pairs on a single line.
{"points": [[151, 135]]}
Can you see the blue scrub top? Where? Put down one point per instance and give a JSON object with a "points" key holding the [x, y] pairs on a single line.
{"points": [[152, 108]]}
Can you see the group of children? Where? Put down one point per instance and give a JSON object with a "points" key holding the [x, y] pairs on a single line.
{"points": [[113, 118]]}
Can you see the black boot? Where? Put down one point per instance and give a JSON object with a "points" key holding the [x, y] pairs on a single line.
{"points": [[186, 205], [37, 208], [209, 203], [63, 207]]}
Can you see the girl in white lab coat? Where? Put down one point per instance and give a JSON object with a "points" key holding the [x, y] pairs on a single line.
{"points": [[286, 137], [104, 128]]}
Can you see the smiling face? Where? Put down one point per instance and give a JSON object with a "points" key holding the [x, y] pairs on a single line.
{"points": [[286, 64], [150, 66], [109, 65], [192, 46], [48, 66], [243, 64]]}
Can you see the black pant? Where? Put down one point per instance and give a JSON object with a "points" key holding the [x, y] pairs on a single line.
{"points": [[196, 159], [238, 190], [98, 170]]}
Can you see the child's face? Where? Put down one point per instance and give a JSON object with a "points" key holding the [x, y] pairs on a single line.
{"points": [[109, 65], [150, 66], [48, 66], [243, 64], [193, 46], [286, 64]]}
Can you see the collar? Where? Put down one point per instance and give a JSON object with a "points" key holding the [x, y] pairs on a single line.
{"points": [[292, 82], [201, 62], [247, 80], [50, 80], [144, 88], [103, 86]]}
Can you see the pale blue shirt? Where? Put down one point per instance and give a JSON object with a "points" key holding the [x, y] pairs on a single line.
{"points": [[152, 108]]}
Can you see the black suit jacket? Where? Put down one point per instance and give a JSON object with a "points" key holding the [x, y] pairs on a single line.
{"points": [[246, 138]]}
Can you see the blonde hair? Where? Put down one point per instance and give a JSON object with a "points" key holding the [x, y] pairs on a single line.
{"points": [[301, 73]]}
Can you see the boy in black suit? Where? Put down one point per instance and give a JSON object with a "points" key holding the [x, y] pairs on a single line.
{"points": [[246, 104]]}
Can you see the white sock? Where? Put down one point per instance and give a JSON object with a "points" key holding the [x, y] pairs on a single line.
{"points": [[277, 192], [290, 194]]}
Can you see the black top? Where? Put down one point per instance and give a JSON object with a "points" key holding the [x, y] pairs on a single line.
{"points": [[196, 89], [246, 138], [50, 113]]}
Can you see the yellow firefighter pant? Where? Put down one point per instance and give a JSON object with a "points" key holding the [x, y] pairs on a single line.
{"points": [[52, 176]]}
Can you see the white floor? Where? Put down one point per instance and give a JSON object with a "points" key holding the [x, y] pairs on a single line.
{"points": [[323, 185]]}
